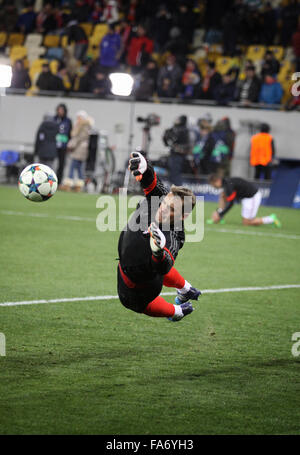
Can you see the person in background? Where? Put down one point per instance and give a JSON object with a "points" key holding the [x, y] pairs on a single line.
{"points": [[177, 139], [27, 19], [146, 81], [77, 35], [224, 92], [270, 65], [78, 146], [62, 137], [248, 90], [139, 48], [236, 189], [47, 81], [100, 85], [190, 80], [45, 142], [20, 77], [198, 150], [110, 49], [218, 148], [271, 90], [210, 81], [262, 152], [45, 21], [171, 72]]}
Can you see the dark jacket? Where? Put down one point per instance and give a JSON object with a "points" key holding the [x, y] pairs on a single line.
{"points": [[64, 131], [45, 143], [224, 93], [248, 90], [48, 81]]}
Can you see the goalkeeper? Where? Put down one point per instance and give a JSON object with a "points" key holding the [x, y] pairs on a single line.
{"points": [[149, 244]]}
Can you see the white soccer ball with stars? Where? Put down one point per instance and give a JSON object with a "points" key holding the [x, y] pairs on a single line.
{"points": [[37, 182]]}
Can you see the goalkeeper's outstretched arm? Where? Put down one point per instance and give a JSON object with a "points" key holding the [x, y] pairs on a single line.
{"points": [[143, 171]]}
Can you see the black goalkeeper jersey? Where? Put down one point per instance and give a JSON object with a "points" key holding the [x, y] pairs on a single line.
{"points": [[136, 259], [236, 189]]}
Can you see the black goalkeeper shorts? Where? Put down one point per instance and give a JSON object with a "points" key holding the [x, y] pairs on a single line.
{"points": [[137, 299]]}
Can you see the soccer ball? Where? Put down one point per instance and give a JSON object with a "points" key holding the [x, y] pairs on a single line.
{"points": [[37, 182]]}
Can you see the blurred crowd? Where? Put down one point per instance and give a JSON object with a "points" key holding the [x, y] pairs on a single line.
{"points": [[140, 31]]}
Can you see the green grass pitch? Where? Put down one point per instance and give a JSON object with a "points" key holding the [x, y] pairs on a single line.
{"points": [[93, 367]]}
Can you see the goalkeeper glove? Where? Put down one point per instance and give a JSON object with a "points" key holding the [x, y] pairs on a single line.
{"points": [[157, 239], [137, 165]]}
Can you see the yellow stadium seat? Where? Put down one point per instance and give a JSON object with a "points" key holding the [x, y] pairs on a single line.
{"points": [[87, 27], [223, 64], [256, 52], [64, 41], [286, 69], [100, 30], [93, 48], [53, 65], [51, 41], [3, 38], [278, 52], [15, 39], [36, 68], [17, 53]]}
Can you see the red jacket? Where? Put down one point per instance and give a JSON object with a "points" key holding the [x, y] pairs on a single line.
{"points": [[135, 48]]}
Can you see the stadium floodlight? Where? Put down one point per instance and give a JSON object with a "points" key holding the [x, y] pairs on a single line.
{"points": [[5, 76], [122, 84]]}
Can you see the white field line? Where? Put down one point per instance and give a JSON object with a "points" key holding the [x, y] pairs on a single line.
{"points": [[93, 220], [115, 297]]}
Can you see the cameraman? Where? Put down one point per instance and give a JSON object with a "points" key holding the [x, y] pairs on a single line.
{"points": [[177, 139]]}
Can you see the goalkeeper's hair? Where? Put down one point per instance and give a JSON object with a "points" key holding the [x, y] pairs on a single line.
{"points": [[183, 193]]}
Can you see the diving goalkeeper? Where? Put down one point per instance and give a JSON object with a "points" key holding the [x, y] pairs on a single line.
{"points": [[149, 244]]}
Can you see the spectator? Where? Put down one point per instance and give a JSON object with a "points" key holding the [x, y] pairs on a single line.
{"points": [[139, 49], [218, 148], [147, 81], [62, 137], [165, 90], [110, 12], [77, 35], [172, 72], [84, 77], [190, 80], [296, 46], [78, 146], [210, 81], [20, 77], [100, 85], [224, 92], [271, 90], [262, 152], [26, 22], [185, 20], [45, 143], [177, 139], [81, 10], [177, 45], [45, 21], [110, 49], [248, 89], [161, 27], [48, 81], [96, 14], [198, 149], [270, 64], [124, 29]]}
